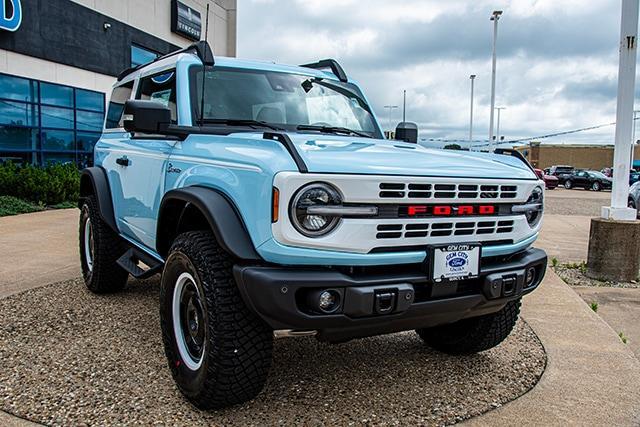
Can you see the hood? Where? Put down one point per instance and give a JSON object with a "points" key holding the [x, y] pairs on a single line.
{"points": [[337, 154]]}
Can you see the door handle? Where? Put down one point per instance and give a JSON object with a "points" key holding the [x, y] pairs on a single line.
{"points": [[123, 161]]}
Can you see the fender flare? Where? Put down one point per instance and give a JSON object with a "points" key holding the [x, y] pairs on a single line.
{"points": [[221, 215], [94, 181]]}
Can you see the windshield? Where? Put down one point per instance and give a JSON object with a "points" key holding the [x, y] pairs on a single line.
{"points": [[284, 100]]}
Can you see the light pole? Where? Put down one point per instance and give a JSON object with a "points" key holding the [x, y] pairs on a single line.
{"points": [[390, 107], [472, 77], [498, 124], [495, 16]]}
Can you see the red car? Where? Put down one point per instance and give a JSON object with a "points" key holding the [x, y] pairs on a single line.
{"points": [[550, 181]]}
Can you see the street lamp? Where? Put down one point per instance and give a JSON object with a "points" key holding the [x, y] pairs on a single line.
{"points": [[472, 77], [495, 16], [498, 124], [390, 107]]}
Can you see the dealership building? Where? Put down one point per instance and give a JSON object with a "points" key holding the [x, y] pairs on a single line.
{"points": [[59, 59]]}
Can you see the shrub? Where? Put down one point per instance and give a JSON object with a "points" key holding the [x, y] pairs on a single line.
{"points": [[50, 185], [10, 205]]}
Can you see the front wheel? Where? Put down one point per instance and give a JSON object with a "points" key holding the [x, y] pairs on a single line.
{"points": [[596, 186], [472, 335], [568, 184], [219, 352]]}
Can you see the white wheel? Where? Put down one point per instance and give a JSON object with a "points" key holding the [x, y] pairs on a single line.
{"points": [[189, 321], [88, 244]]}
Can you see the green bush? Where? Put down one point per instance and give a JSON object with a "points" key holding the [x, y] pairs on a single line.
{"points": [[50, 185], [10, 205]]}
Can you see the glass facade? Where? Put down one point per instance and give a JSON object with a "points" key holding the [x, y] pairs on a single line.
{"points": [[140, 55], [44, 122]]}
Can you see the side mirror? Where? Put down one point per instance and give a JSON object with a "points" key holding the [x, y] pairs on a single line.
{"points": [[146, 116], [407, 131]]}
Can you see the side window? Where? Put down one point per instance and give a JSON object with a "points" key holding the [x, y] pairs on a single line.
{"points": [[119, 96], [160, 88]]}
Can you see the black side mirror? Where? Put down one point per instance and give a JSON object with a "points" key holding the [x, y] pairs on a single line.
{"points": [[146, 117], [407, 131]]}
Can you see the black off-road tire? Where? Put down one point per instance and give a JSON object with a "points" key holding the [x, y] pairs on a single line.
{"points": [[236, 355], [473, 335], [104, 275]]}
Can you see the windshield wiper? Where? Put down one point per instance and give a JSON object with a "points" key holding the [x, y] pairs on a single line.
{"points": [[241, 122], [333, 129]]}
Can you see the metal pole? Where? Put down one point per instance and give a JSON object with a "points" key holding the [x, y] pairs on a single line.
{"points": [[495, 16], [404, 106], [390, 107], [498, 125], [624, 114], [472, 77]]}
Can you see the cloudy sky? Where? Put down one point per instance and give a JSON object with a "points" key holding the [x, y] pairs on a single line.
{"points": [[557, 59]]}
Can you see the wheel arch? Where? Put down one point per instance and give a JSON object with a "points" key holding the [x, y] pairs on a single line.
{"points": [[94, 181], [192, 208]]}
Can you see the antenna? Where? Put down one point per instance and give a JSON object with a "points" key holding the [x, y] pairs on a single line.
{"points": [[404, 106], [206, 38]]}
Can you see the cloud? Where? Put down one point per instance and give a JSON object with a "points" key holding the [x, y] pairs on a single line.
{"points": [[557, 61]]}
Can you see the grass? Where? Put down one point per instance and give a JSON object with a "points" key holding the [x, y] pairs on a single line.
{"points": [[594, 306], [554, 262], [622, 337], [64, 205], [582, 266], [10, 205]]}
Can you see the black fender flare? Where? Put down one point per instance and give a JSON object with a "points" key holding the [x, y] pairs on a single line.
{"points": [[93, 181], [221, 215]]}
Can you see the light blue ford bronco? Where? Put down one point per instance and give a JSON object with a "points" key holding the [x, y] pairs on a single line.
{"points": [[271, 204]]}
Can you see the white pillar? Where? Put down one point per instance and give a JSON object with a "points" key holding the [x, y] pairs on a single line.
{"points": [[624, 114], [472, 77], [494, 17]]}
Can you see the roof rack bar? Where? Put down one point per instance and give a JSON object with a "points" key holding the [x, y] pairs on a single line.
{"points": [[329, 63], [201, 49]]}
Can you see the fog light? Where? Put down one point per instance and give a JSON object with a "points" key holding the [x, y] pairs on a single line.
{"points": [[324, 300], [530, 277]]}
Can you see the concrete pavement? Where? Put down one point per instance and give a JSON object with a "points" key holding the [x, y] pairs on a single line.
{"points": [[38, 248]]}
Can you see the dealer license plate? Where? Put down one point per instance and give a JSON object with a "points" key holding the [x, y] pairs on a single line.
{"points": [[455, 262]]}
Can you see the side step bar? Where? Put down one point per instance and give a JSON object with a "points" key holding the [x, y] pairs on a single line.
{"points": [[131, 260]]}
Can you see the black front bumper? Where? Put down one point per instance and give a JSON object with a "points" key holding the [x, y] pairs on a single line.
{"points": [[279, 295]]}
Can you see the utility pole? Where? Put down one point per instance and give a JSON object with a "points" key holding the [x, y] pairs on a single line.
{"points": [[390, 107], [472, 77], [498, 124], [495, 16]]}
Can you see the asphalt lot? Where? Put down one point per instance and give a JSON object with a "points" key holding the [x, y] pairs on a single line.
{"points": [[575, 202]]}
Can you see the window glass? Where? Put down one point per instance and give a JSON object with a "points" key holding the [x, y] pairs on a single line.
{"points": [[17, 157], [140, 55], [160, 88], [57, 140], [89, 100], [86, 120], [56, 95], [19, 89], [18, 113], [119, 96], [16, 138], [86, 141], [58, 158], [53, 117]]}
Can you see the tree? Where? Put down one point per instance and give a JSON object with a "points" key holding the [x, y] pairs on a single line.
{"points": [[452, 147]]}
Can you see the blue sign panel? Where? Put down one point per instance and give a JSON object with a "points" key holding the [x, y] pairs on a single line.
{"points": [[10, 15]]}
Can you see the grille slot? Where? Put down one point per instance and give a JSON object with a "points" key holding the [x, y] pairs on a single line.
{"points": [[443, 229], [398, 190]]}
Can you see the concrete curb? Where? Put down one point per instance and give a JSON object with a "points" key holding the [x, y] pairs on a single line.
{"points": [[592, 378]]}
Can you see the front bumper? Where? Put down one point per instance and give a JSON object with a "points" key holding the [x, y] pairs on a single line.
{"points": [[279, 295]]}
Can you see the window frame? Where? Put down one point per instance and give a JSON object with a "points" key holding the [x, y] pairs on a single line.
{"points": [[171, 69]]}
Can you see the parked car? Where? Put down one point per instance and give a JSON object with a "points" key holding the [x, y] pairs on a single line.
{"points": [[550, 181], [271, 204], [589, 180], [608, 172], [558, 170], [634, 197], [634, 177]]}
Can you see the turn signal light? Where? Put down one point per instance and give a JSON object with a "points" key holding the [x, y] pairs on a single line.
{"points": [[275, 205]]}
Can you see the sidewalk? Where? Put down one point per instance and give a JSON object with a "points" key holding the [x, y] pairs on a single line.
{"points": [[591, 377], [38, 248]]}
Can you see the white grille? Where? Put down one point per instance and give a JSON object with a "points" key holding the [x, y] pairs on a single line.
{"points": [[415, 229], [395, 190]]}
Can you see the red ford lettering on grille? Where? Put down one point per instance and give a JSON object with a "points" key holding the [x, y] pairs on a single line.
{"points": [[446, 210]]}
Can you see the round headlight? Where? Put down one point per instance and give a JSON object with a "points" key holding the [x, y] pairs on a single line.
{"points": [[312, 195], [536, 197]]}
